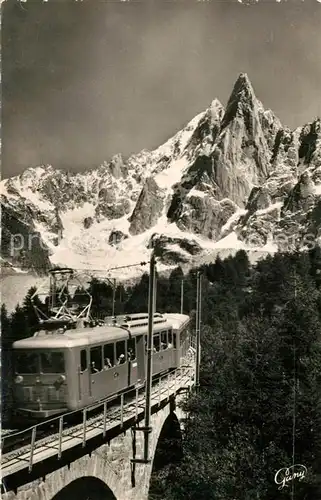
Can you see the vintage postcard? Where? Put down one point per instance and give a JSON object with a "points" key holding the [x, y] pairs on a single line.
{"points": [[161, 250]]}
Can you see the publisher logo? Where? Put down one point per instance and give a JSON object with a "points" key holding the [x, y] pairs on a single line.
{"points": [[288, 474]]}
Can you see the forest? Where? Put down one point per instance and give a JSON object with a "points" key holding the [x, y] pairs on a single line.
{"points": [[258, 408]]}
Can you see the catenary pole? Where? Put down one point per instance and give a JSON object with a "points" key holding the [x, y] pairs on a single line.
{"points": [[155, 291], [199, 324], [182, 296], [197, 319], [114, 296], [151, 303], [198, 329]]}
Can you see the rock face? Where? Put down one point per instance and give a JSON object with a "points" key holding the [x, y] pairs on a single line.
{"points": [[230, 171], [21, 243], [88, 221], [242, 153], [148, 208], [285, 208], [201, 214], [173, 251], [116, 237]]}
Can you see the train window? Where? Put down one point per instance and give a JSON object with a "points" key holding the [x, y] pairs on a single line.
{"points": [[95, 359], [27, 362], [174, 340], [131, 352], [52, 362], [121, 352], [170, 338], [146, 344], [156, 343], [164, 340], [109, 356], [83, 360]]}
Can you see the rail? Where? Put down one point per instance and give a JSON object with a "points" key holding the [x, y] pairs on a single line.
{"points": [[93, 424]]}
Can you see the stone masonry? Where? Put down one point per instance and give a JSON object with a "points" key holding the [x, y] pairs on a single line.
{"points": [[109, 465]]}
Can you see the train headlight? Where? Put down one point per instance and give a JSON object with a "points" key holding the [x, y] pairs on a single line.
{"points": [[61, 379], [18, 379]]}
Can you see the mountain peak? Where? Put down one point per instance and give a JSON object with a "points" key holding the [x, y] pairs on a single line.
{"points": [[216, 103], [242, 97], [243, 80], [216, 109], [242, 90]]}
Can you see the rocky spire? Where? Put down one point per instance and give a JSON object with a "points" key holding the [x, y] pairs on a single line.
{"points": [[241, 99]]}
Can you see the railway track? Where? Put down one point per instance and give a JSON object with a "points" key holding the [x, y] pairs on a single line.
{"points": [[48, 437], [115, 416], [18, 440]]}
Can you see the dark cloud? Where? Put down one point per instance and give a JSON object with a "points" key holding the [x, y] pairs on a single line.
{"points": [[83, 81]]}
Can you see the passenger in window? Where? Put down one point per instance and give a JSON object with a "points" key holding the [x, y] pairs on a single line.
{"points": [[121, 359], [107, 364], [130, 354], [93, 367], [163, 346], [170, 345]]}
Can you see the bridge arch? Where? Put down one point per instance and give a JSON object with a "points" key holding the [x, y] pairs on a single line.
{"points": [[167, 450], [85, 488]]}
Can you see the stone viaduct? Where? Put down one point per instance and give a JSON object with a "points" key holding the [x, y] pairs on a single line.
{"points": [[104, 469]]}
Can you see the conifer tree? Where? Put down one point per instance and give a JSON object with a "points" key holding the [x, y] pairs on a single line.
{"points": [[19, 326], [174, 290], [102, 297], [138, 301], [6, 364], [5, 326], [32, 319]]}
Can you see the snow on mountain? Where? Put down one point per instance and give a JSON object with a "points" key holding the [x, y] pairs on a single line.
{"points": [[232, 178]]}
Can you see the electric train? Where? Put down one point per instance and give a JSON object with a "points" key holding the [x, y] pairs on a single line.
{"points": [[61, 370]]}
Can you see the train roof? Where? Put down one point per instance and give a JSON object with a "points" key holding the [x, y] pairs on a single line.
{"points": [[89, 336], [72, 338], [177, 320]]}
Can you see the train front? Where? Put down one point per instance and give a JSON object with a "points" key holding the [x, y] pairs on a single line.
{"points": [[40, 382]]}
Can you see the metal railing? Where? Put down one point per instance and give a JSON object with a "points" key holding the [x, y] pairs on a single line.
{"points": [[99, 421]]}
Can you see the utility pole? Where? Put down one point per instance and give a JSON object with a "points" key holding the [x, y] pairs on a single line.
{"points": [[114, 296], [294, 392], [155, 291], [198, 329], [182, 296], [151, 303]]}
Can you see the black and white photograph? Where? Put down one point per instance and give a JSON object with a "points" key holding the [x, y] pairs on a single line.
{"points": [[160, 250]]}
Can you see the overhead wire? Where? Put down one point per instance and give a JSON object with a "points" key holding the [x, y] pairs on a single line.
{"points": [[87, 270]]}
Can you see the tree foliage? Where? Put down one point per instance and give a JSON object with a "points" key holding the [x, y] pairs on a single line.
{"points": [[261, 365]]}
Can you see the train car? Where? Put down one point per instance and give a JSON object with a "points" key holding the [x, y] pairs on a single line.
{"points": [[182, 335], [59, 372]]}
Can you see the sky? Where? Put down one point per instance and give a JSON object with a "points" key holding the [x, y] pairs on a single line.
{"points": [[82, 81]]}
